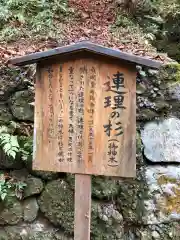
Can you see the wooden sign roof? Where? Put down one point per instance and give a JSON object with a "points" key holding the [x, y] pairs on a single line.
{"points": [[84, 47]]}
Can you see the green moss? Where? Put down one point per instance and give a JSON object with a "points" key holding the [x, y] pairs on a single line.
{"points": [[3, 235], [123, 21], [57, 203], [146, 114], [138, 142], [170, 73], [171, 201], [105, 188], [106, 222]]}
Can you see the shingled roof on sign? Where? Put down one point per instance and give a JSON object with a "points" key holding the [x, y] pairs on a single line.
{"points": [[84, 47]]}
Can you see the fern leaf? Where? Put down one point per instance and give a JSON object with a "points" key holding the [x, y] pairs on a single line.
{"points": [[3, 196], [12, 154], [7, 147], [14, 141]]}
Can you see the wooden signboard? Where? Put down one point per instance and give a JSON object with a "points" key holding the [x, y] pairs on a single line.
{"points": [[85, 118], [85, 105]]}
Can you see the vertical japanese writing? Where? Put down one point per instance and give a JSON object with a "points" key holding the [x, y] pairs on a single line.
{"points": [[92, 85], [50, 103], [113, 128], [80, 113], [60, 118], [71, 113]]}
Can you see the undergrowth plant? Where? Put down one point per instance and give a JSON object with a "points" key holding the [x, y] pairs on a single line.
{"points": [[24, 18], [13, 144], [9, 187], [5, 187]]}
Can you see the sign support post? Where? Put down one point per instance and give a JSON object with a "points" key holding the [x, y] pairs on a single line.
{"points": [[82, 207]]}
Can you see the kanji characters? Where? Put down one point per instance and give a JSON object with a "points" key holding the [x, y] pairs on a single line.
{"points": [[114, 127], [118, 102], [118, 80], [108, 128], [107, 101], [113, 147]]}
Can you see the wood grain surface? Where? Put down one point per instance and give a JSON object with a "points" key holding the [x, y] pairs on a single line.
{"points": [[82, 219], [85, 118]]}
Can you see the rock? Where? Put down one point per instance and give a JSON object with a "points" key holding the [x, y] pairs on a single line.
{"points": [[34, 186], [3, 235], [39, 229], [146, 114], [106, 222], [20, 105], [11, 80], [61, 236], [152, 72], [5, 115], [41, 236], [162, 140], [164, 189], [46, 175], [131, 199], [8, 162], [30, 209], [174, 91], [161, 105], [57, 204], [14, 233], [170, 73], [102, 187], [11, 214], [20, 175], [140, 88], [156, 235]]}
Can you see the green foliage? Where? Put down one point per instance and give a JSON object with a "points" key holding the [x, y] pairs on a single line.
{"points": [[9, 142], [123, 21], [19, 17], [4, 187], [10, 187], [14, 144], [26, 149]]}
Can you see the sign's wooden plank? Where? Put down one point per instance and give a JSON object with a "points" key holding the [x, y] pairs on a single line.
{"points": [[82, 219], [85, 118]]}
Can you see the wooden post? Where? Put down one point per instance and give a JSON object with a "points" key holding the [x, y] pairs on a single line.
{"points": [[82, 207]]}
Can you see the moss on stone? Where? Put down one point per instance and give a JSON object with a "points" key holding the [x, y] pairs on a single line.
{"points": [[170, 73], [5, 115], [20, 105], [106, 222], [103, 187], [34, 186], [138, 142], [146, 114], [3, 235], [57, 203], [172, 201], [12, 213]]}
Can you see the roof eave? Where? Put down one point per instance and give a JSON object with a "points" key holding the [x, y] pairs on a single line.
{"points": [[84, 46]]}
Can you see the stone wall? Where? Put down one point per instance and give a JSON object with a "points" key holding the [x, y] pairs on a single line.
{"points": [[145, 208]]}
